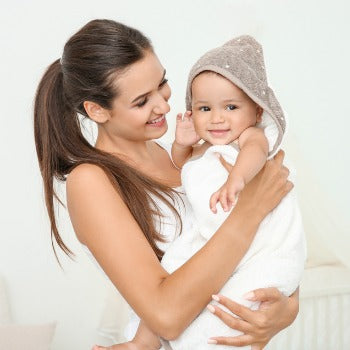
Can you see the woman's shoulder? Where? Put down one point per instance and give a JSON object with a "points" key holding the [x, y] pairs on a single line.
{"points": [[88, 180], [85, 174], [91, 196]]}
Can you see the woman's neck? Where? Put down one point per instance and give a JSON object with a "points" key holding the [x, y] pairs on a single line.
{"points": [[136, 153]]}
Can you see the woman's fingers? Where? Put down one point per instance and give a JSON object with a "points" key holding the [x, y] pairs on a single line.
{"points": [[245, 313], [240, 340], [279, 157], [264, 294], [229, 319], [285, 170]]}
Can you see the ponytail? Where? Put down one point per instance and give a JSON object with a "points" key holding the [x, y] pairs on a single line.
{"points": [[60, 144]]}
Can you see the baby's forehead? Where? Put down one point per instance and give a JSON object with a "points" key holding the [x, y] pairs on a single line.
{"points": [[204, 79]]}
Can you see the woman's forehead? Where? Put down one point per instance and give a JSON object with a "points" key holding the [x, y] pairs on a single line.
{"points": [[141, 77]]}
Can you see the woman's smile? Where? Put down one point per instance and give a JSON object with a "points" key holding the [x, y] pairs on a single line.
{"points": [[158, 122]]}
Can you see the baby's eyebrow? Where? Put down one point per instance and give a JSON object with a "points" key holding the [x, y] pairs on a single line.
{"points": [[231, 100], [225, 101], [200, 102]]}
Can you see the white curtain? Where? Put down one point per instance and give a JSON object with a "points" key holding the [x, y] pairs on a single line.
{"points": [[326, 227]]}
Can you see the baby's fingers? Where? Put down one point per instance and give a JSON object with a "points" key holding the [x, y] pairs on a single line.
{"points": [[224, 200], [179, 117], [231, 197], [213, 200], [187, 116]]}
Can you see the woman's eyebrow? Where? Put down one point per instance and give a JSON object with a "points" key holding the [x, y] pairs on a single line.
{"points": [[146, 93]]}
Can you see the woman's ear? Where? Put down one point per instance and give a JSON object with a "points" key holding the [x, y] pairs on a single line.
{"points": [[259, 113], [96, 112]]}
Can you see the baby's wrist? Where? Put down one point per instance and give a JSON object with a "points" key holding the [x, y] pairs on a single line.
{"points": [[236, 176], [181, 146]]}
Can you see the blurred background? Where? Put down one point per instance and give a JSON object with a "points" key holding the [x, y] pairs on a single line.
{"points": [[307, 55]]}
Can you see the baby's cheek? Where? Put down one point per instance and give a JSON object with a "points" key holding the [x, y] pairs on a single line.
{"points": [[199, 125]]}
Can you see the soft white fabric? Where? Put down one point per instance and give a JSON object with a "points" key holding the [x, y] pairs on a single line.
{"points": [[28, 337], [275, 258]]}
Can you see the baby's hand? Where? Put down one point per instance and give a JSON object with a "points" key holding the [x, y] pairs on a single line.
{"points": [[185, 134], [130, 345], [227, 193]]}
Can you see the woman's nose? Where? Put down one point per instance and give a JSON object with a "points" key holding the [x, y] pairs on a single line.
{"points": [[161, 106]]}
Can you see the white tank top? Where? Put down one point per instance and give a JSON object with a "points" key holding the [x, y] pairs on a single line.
{"points": [[169, 228]]}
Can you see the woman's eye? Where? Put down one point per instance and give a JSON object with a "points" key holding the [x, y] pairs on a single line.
{"points": [[231, 107], [142, 103], [165, 81], [204, 109]]}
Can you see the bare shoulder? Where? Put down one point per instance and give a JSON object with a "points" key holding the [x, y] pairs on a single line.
{"points": [[85, 173], [91, 194], [87, 177]]}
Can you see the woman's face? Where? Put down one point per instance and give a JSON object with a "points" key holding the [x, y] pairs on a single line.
{"points": [[138, 113]]}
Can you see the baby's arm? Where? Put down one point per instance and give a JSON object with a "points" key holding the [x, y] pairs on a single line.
{"points": [[185, 138], [250, 160], [145, 339]]}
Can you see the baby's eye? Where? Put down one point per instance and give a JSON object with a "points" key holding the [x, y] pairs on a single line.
{"points": [[204, 109], [231, 107]]}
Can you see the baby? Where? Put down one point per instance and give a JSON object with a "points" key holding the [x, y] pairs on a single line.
{"points": [[239, 118]]}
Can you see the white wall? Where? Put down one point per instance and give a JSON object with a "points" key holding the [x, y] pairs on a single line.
{"points": [[306, 46]]}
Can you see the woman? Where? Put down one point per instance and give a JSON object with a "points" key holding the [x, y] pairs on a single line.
{"points": [[119, 189]]}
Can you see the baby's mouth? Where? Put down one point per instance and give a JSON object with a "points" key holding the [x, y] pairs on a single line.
{"points": [[218, 132]]}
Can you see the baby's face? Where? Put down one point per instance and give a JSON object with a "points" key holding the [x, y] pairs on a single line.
{"points": [[220, 110]]}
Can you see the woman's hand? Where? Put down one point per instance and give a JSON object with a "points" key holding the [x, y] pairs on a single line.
{"points": [[275, 313], [266, 190]]}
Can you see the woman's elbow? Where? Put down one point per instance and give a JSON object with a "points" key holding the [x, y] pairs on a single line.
{"points": [[168, 326]]}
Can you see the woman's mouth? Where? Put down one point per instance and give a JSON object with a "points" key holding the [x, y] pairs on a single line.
{"points": [[157, 122]]}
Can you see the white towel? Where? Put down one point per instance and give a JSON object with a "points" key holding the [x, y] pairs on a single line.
{"points": [[275, 258]]}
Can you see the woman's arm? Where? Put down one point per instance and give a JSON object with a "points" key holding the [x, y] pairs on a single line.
{"points": [[102, 221]]}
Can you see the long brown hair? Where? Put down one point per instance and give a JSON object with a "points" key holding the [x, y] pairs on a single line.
{"points": [[91, 58]]}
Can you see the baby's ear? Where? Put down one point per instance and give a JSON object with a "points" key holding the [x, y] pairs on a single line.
{"points": [[259, 113]]}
